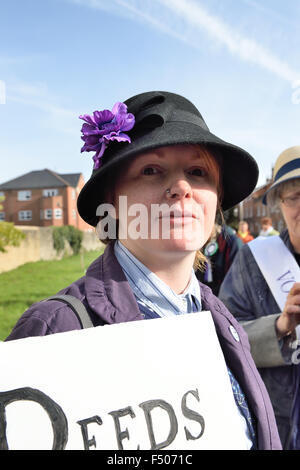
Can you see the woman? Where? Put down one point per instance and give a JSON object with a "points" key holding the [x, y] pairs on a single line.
{"points": [[267, 229], [155, 153], [243, 232], [261, 292]]}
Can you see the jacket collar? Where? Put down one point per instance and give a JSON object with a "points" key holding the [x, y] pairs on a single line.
{"points": [[108, 292]]}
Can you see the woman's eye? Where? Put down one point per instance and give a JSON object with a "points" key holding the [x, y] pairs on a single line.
{"points": [[198, 172], [150, 170]]}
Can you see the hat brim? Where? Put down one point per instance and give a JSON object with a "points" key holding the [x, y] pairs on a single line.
{"points": [[292, 175], [239, 169]]}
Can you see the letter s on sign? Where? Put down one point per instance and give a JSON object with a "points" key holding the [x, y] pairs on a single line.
{"points": [[190, 414]]}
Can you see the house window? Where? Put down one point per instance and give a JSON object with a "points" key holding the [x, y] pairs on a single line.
{"points": [[48, 214], [2, 215], [74, 214], [57, 213], [24, 195], [1, 193], [73, 194], [50, 192], [25, 215]]}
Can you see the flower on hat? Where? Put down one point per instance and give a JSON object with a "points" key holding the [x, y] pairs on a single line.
{"points": [[105, 126]]}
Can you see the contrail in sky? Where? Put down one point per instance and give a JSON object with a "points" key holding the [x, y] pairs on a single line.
{"points": [[188, 14]]}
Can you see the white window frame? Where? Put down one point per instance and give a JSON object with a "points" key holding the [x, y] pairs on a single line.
{"points": [[25, 215], [2, 215], [48, 214], [58, 213], [24, 195], [50, 192]]}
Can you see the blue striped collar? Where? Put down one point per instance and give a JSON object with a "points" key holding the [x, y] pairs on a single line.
{"points": [[152, 292]]}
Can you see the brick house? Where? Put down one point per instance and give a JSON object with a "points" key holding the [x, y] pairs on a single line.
{"points": [[42, 198], [252, 210]]}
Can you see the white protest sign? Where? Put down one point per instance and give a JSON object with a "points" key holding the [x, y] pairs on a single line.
{"points": [[149, 384]]}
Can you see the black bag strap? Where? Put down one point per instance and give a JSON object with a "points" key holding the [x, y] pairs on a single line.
{"points": [[77, 307]]}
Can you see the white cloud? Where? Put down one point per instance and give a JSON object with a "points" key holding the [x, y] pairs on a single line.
{"points": [[271, 12], [38, 96], [174, 17], [238, 45]]}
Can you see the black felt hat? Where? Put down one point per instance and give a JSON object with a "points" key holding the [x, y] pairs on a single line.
{"points": [[163, 119]]}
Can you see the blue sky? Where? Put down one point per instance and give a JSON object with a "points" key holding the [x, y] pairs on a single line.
{"points": [[237, 60]]}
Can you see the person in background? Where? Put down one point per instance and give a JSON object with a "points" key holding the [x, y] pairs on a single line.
{"points": [[267, 229], [156, 149], [243, 232], [219, 251], [261, 292]]}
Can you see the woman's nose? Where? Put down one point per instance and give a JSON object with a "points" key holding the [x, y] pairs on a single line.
{"points": [[179, 189]]}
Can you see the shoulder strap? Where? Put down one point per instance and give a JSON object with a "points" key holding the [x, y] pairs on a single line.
{"points": [[77, 307]]}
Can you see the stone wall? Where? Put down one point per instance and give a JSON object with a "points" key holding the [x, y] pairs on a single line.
{"points": [[38, 246]]}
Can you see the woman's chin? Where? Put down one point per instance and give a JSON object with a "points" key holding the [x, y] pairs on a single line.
{"points": [[183, 245]]}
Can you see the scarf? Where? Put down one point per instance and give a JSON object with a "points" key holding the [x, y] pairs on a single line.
{"points": [[151, 292]]}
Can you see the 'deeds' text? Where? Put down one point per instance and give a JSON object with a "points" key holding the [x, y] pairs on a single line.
{"points": [[60, 424]]}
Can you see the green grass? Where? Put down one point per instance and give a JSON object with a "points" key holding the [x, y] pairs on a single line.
{"points": [[32, 282]]}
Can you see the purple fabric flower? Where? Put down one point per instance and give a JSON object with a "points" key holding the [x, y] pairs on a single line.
{"points": [[104, 126]]}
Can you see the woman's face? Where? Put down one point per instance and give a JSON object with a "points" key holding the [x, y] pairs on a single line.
{"points": [[168, 201], [243, 227], [290, 208]]}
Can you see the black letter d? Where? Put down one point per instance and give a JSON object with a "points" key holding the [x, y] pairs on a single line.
{"points": [[55, 413]]}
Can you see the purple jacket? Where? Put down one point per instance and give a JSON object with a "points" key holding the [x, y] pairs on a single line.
{"points": [[109, 299]]}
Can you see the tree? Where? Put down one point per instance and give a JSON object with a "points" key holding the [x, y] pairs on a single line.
{"points": [[67, 232], [9, 234]]}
